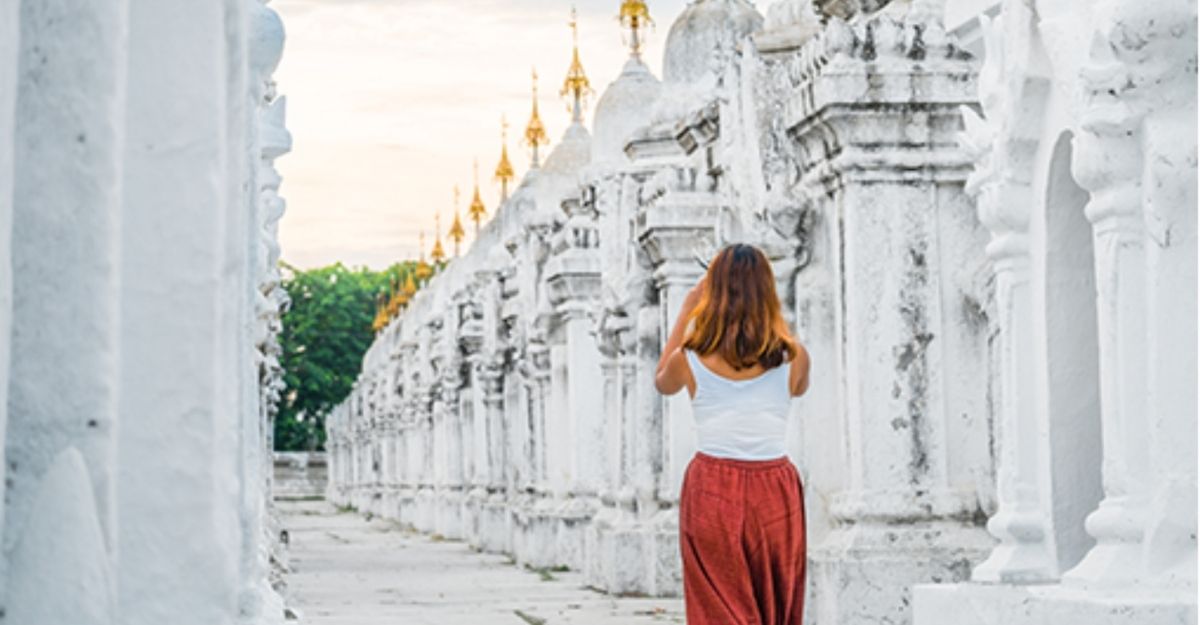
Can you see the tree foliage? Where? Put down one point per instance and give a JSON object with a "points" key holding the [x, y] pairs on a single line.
{"points": [[325, 334]]}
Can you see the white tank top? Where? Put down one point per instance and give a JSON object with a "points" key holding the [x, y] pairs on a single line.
{"points": [[741, 419]]}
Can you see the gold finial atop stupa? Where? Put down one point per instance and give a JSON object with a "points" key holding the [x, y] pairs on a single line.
{"points": [[476, 210], [576, 86], [438, 254], [635, 16], [381, 318], [535, 131], [410, 286], [456, 233], [504, 170], [423, 269]]}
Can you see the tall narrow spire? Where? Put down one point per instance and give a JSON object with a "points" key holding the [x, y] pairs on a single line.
{"points": [[438, 254], [535, 131], [423, 270], [576, 86], [456, 233], [635, 16], [504, 170], [476, 210]]}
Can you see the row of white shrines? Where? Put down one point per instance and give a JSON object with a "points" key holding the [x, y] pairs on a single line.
{"points": [[982, 220]]}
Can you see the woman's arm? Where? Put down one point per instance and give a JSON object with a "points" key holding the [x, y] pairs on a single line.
{"points": [[673, 374], [798, 375]]}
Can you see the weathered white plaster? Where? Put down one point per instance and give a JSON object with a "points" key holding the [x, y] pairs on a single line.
{"points": [[63, 382], [68, 538], [135, 450], [9, 36]]}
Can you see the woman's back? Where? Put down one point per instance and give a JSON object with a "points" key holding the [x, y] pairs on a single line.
{"points": [[743, 419]]}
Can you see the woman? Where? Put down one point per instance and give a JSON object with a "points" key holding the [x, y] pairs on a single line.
{"points": [[741, 512]]}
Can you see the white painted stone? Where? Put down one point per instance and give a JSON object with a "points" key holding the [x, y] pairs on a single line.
{"points": [[9, 32], [66, 551], [62, 383], [138, 246]]}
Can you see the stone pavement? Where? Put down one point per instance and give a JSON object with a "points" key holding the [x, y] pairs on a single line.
{"points": [[347, 570]]}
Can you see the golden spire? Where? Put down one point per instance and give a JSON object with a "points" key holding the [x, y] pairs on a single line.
{"points": [[476, 210], [456, 233], [381, 319], [410, 286], [403, 295], [504, 171], [535, 131], [635, 16], [576, 86], [423, 270], [438, 254]]}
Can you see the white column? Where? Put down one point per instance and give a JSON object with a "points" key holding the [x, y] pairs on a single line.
{"points": [[679, 432], [1108, 163], [1170, 209], [9, 32], [184, 314], [60, 524], [1136, 50], [1001, 184]]}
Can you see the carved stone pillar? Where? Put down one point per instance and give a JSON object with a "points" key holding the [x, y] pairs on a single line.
{"points": [[1170, 214], [676, 223], [494, 530], [572, 280], [874, 113], [673, 226], [1110, 162], [1004, 148]]}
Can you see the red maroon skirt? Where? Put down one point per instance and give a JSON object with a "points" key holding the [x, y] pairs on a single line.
{"points": [[741, 531]]}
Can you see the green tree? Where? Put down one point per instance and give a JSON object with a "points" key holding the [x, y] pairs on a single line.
{"points": [[325, 334]]}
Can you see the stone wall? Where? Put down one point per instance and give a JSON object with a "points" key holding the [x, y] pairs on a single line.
{"points": [[300, 475], [137, 356]]}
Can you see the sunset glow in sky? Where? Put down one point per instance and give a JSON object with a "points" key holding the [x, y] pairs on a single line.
{"points": [[389, 102]]}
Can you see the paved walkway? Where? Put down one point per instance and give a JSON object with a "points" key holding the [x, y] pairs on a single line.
{"points": [[350, 571]]}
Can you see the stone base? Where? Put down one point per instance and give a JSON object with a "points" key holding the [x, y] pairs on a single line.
{"points": [[864, 574], [389, 505], [423, 510], [535, 529], [472, 515], [448, 513], [594, 571], [573, 518], [494, 529], [666, 565], [337, 495], [1053, 604], [406, 498]]}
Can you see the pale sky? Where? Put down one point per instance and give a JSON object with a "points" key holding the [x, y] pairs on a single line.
{"points": [[389, 101]]}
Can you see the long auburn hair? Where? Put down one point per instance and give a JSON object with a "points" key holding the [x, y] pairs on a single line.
{"points": [[738, 314]]}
